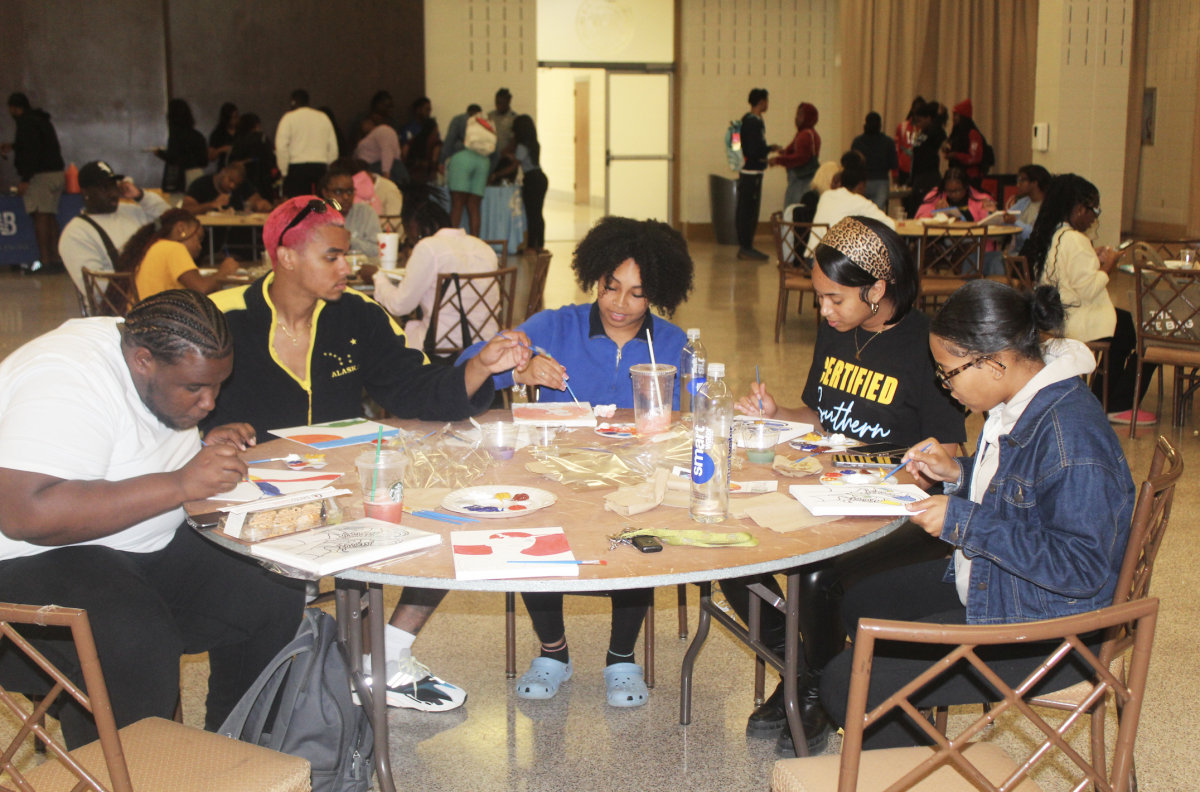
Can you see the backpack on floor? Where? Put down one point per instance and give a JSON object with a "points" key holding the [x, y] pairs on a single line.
{"points": [[301, 705], [733, 145]]}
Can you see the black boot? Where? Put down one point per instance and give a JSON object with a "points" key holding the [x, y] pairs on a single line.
{"points": [[768, 720], [816, 723]]}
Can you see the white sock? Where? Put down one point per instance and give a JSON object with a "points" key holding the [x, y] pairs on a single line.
{"points": [[396, 642]]}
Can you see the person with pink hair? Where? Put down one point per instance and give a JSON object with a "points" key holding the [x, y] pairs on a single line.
{"points": [[307, 346]]}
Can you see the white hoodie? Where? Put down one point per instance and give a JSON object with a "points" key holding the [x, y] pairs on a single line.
{"points": [[1064, 358]]}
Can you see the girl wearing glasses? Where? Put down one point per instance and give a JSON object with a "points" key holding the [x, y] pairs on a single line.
{"points": [[871, 379], [1038, 518], [1060, 253]]}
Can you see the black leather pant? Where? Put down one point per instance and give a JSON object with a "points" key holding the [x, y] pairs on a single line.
{"points": [[822, 585]]}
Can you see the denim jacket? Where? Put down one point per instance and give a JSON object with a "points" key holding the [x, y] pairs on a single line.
{"points": [[1049, 537]]}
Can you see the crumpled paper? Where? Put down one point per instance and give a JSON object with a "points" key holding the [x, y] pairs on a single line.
{"points": [[628, 501], [796, 468]]}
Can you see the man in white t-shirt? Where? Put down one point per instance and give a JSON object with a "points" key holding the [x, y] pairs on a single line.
{"points": [[305, 144], [849, 200], [82, 244], [439, 250], [98, 453]]}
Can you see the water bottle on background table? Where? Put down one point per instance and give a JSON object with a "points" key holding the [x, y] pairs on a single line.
{"points": [[691, 373], [712, 445]]}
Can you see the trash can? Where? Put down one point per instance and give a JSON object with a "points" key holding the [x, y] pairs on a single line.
{"points": [[722, 196]]}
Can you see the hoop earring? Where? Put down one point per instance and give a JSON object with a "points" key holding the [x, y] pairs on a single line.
{"points": [[874, 308]]}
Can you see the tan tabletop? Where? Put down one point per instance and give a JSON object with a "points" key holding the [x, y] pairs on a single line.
{"points": [[587, 526], [258, 219], [912, 228]]}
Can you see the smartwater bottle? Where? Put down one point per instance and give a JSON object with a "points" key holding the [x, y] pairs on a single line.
{"points": [[691, 372], [712, 444]]}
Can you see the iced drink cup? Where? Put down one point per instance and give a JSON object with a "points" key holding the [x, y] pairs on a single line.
{"points": [[653, 390], [382, 484], [760, 440]]}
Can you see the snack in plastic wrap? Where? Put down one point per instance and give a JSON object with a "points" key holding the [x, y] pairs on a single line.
{"points": [[277, 522]]}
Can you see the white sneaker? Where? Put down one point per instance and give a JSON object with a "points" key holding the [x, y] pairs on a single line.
{"points": [[411, 685]]}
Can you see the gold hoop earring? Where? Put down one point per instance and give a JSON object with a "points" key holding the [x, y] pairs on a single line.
{"points": [[874, 308]]}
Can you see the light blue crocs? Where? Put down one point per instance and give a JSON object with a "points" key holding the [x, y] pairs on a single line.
{"points": [[625, 685], [543, 678]]}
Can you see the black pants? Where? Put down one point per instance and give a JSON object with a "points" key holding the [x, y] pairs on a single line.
{"points": [[821, 588], [533, 194], [303, 178], [917, 593], [147, 609], [749, 197], [1123, 366], [629, 608]]}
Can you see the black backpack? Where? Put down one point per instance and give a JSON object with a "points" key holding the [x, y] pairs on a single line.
{"points": [[301, 705]]}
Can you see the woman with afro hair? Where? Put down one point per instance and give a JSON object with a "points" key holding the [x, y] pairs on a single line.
{"points": [[635, 266]]}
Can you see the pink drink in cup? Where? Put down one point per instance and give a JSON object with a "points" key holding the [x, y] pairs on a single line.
{"points": [[382, 483], [653, 393]]}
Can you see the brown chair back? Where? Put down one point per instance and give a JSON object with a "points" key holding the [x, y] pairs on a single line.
{"points": [[1016, 269], [792, 244], [488, 294], [1150, 519], [942, 254], [537, 284], [1164, 249], [1167, 304], [391, 224], [501, 248], [93, 697], [1129, 694], [109, 293]]}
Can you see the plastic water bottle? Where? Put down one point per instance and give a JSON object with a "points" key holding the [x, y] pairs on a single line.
{"points": [[691, 372], [712, 444]]}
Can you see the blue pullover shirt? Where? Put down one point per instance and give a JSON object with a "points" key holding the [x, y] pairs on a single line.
{"points": [[599, 370]]}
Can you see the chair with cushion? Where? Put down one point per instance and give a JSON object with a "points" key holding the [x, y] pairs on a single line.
{"points": [[152, 755], [795, 264], [461, 296], [109, 293], [1167, 319], [964, 763]]}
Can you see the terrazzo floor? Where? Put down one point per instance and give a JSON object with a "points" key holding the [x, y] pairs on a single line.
{"points": [[575, 741]]}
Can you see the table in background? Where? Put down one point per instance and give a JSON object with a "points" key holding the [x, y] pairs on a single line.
{"points": [[502, 213], [587, 526], [18, 242], [252, 220], [919, 235]]}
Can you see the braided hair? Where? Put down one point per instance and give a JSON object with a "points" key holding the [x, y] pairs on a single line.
{"points": [[173, 323], [1066, 191]]}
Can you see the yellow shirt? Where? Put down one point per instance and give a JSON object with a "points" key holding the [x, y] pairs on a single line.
{"points": [[165, 261]]}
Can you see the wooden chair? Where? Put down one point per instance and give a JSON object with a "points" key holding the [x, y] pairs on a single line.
{"points": [[1167, 319], [152, 755], [501, 248], [946, 261], [510, 632], [537, 284], [961, 764], [109, 293], [1165, 249], [489, 293], [391, 224], [1016, 271], [795, 268]]}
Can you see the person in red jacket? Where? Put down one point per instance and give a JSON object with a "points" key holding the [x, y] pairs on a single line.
{"points": [[965, 146], [802, 156], [906, 137]]}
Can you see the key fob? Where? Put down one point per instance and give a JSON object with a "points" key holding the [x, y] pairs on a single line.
{"points": [[647, 544]]}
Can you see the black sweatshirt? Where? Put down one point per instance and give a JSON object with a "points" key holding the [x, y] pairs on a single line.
{"points": [[36, 145], [355, 346], [754, 143]]}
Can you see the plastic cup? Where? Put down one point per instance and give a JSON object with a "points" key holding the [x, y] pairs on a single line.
{"points": [[500, 439], [542, 434], [389, 249], [1187, 258], [653, 388], [760, 440], [382, 484]]}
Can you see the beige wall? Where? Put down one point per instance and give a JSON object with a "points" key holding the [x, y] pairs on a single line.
{"points": [[1082, 92], [727, 49], [1172, 57], [475, 47]]}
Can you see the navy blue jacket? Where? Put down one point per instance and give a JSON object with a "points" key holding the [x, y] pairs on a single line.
{"points": [[1049, 538], [599, 371]]}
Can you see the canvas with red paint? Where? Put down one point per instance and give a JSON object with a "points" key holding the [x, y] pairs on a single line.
{"points": [[498, 555]]}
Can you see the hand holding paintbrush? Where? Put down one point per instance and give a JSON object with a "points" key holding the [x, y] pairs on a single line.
{"points": [[541, 370]]}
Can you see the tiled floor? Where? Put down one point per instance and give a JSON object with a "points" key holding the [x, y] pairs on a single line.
{"points": [[498, 742]]}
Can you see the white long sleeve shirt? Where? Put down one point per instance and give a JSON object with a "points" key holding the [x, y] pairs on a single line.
{"points": [[304, 135], [1072, 266], [80, 245], [836, 205], [449, 250]]}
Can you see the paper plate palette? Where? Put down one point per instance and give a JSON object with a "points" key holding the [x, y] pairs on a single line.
{"points": [[619, 430], [816, 442], [497, 501]]}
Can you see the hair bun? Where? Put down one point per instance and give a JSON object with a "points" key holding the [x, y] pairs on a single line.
{"points": [[1046, 308]]}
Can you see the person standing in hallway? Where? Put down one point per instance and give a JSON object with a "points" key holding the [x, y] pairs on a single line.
{"points": [[305, 144], [39, 165], [749, 192], [535, 184], [926, 157], [802, 156], [880, 153], [502, 119], [186, 155], [966, 146]]}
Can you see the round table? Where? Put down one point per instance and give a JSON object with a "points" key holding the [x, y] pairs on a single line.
{"points": [[915, 228], [251, 220], [587, 526]]}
